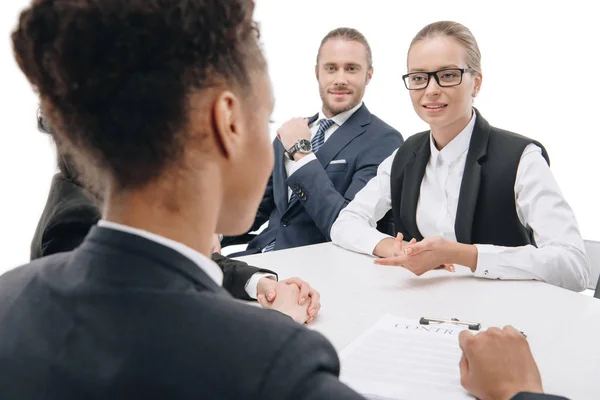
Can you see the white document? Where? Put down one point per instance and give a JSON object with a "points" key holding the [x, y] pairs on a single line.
{"points": [[400, 359]]}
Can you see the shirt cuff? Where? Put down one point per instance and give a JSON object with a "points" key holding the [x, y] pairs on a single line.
{"points": [[252, 284], [296, 165], [494, 262], [370, 240], [485, 261]]}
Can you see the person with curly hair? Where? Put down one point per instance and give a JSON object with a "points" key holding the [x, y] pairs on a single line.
{"points": [[165, 105], [73, 206]]}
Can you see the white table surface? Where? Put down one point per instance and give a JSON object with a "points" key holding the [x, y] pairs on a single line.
{"points": [[563, 327]]}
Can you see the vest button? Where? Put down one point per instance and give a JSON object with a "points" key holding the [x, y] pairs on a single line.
{"points": [[285, 222]]}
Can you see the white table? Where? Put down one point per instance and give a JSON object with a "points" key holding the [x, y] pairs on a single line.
{"points": [[563, 327]]}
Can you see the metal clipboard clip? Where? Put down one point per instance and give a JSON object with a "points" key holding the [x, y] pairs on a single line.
{"points": [[474, 326]]}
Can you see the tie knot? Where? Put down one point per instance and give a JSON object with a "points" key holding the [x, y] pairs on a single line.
{"points": [[325, 124]]}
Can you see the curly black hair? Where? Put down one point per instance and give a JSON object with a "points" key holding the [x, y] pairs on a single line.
{"points": [[114, 76]]}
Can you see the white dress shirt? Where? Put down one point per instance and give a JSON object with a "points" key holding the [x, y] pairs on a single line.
{"points": [[338, 120], [559, 258], [205, 264]]}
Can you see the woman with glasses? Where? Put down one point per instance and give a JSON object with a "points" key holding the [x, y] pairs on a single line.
{"points": [[464, 192]]}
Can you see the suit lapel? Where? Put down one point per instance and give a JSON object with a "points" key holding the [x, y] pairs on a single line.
{"points": [[313, 119], [280, 191], [469, 188], [411, 190], [353, 127]]}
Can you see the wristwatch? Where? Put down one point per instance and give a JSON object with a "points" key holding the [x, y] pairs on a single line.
{"points": [[301, 146]]}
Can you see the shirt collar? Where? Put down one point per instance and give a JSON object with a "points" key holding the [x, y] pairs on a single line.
{"points": [[342, 117], [457, 146], [208, 266]]}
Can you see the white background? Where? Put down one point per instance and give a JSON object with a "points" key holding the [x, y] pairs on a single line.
{"points": [[541, 79]]}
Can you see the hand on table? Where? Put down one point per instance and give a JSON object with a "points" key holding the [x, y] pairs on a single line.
{"points": [[498, 364], [303, 308], [418, 257]]}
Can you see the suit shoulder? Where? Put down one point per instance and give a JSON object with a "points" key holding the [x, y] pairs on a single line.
{"points": [[507, 134], [414, 141], [381, 127], [14, 282], [516, 139]]}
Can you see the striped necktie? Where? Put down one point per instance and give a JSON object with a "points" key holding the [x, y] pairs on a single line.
{"points": [[319, 139]]}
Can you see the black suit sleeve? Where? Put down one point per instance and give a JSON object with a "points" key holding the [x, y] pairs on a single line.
{"points": [[64, 237], [307, 367], [236, 274], [67, 228], [537, 396]]}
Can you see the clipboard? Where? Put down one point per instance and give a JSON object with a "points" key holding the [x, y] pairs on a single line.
{"points": [[473, 326]]}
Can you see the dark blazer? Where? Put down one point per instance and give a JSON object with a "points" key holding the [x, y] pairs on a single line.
{"points": [[69, 214], [322, 188], [486, 211], [123, 317]]}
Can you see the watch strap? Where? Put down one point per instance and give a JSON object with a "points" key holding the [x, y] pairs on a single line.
{"points": [[292, 151]]}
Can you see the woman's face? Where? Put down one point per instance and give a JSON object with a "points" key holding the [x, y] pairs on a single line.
{"points": [[442, 108]]}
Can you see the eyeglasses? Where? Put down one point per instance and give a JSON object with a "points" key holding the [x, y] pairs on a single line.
{"points": [[446, 77]]}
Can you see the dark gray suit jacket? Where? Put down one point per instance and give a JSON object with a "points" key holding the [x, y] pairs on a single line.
{"points": [[122, 317], [69, 214], [322, 188]]}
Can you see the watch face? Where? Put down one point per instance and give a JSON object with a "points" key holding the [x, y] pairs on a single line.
{"points": [[304, 146]]}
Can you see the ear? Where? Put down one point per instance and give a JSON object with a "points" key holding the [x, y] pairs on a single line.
{"points": [[370, 75], [317, 71], [227, 123], [477, 86]]}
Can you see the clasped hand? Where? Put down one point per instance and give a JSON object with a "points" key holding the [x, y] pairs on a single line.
{"points": [[419, 257], [293, 297]]}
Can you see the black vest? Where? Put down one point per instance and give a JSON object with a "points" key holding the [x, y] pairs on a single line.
{"points": [[486, 211]]}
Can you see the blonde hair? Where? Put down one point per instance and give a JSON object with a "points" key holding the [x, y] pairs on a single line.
{"points": [[458, 32]]}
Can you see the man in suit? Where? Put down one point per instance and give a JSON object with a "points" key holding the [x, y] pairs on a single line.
{"points": [[323, 161], [72, 208], [172, 111]]}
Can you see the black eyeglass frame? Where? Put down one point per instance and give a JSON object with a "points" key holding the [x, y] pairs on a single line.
{"points": [[437, 78]]}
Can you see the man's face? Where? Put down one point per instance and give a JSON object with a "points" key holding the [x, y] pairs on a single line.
{"points": [[343, 74]]}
